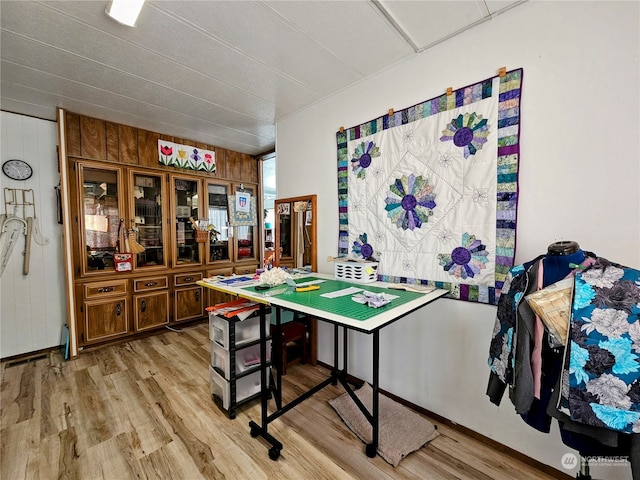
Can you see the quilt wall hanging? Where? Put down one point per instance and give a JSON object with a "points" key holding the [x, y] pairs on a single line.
{"points": [[430, 192], [186, 156]]}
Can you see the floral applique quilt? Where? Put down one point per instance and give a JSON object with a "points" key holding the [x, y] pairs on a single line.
{"points": [[430, 192]]}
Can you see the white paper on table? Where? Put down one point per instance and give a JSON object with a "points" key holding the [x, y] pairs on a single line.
{"points": [[342, 293], [310, 282]]}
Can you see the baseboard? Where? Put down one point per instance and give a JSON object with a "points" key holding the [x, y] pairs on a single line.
{"points": [[467, 431]]}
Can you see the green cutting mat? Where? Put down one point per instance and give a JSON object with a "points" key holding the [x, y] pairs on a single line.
{"points": [[343, 306]]}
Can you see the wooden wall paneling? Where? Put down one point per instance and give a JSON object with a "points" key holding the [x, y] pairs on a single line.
{"points": [[148, 148], [72, 133], [234, 165], [221, 163], [93, 138], [112, 142], [128, 144], [249, 169]]}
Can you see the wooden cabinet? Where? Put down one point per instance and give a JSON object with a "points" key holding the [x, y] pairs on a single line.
{"points": [[150, 310], [104, 311], [121, 198], [188, 297], [150, 303]]}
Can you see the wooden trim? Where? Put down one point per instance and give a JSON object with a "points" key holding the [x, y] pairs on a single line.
{"points": [[67, 236], [314, 228]]}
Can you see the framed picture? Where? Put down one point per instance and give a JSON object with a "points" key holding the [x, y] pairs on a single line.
{"points": [[284, 209]]}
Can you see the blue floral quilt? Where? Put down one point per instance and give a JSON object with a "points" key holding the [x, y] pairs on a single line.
{"points": [[602, 384]]}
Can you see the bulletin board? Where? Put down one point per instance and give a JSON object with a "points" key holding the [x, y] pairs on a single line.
{"points": [[430, 192]]}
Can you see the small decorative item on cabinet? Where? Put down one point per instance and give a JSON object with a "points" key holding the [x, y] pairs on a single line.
{"points": [[202, 236]]}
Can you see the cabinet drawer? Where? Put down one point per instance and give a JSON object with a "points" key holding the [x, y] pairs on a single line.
{"points": [[220, 271], [187, 278], [105, 289], [151, 283], [246, 269]]}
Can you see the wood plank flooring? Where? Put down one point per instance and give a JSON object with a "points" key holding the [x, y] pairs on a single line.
{"points": [[143, 410]]}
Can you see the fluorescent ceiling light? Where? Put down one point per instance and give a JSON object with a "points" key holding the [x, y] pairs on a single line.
{"points": [[125, 11]]}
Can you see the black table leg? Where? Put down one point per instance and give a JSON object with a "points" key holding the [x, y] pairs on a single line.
{"points": [[372, 448]]}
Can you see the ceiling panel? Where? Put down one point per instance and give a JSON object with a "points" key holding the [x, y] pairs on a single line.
{"points": [[428, 22], [220, 72]]}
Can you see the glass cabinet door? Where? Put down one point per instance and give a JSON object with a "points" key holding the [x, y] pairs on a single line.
{"points": [[186, 211], [147, 219], [218, 216], [100, 191], [246, 236]]}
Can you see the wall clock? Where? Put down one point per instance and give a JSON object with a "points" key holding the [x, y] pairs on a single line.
{"points": [[17, 169]]}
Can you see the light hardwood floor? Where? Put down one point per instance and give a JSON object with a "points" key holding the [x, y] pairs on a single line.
{"points": [[142, 410]]}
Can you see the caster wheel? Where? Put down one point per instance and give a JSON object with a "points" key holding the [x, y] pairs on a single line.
{"points": [[274, 453], [370, 450], [255, 431], [232, 415]]}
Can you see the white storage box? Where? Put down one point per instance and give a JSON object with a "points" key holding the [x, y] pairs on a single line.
{"points": [[246, 330], [246, 358], [245, 387], [358, 272]]}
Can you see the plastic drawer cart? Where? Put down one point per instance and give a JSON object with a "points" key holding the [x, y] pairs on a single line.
{"points": [[234, 372]]}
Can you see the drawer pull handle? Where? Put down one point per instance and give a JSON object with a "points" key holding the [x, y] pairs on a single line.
{"points": [[105, 289], [197, 296], [150, 284], [143, 306], [118, 310], [188, 279]]}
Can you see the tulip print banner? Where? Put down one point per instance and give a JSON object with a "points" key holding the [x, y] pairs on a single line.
{"points": [[186, 156], [430, 192]]}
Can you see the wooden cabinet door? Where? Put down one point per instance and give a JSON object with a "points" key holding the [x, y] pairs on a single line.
{"points": [[188, 303], [151, 310], [247, 240], [100, 208], [148, 213], [105, 319], [186, 205]]}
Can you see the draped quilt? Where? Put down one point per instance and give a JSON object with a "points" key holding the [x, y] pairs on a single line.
{"points": [[430, 192]]}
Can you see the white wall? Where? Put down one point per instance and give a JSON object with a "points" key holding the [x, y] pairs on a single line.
{"points": [[579, 180], [32, 308]]}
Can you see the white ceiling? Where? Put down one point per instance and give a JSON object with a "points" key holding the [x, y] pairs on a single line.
{"points": [[219, 72]]}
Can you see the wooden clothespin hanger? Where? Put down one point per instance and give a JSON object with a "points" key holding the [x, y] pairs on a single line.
{"points": [[341, 129], [390, 111], [449, 91], [502, 71]]}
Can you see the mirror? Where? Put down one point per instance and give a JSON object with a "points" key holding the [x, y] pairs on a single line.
{"points": [[295, 232]]}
